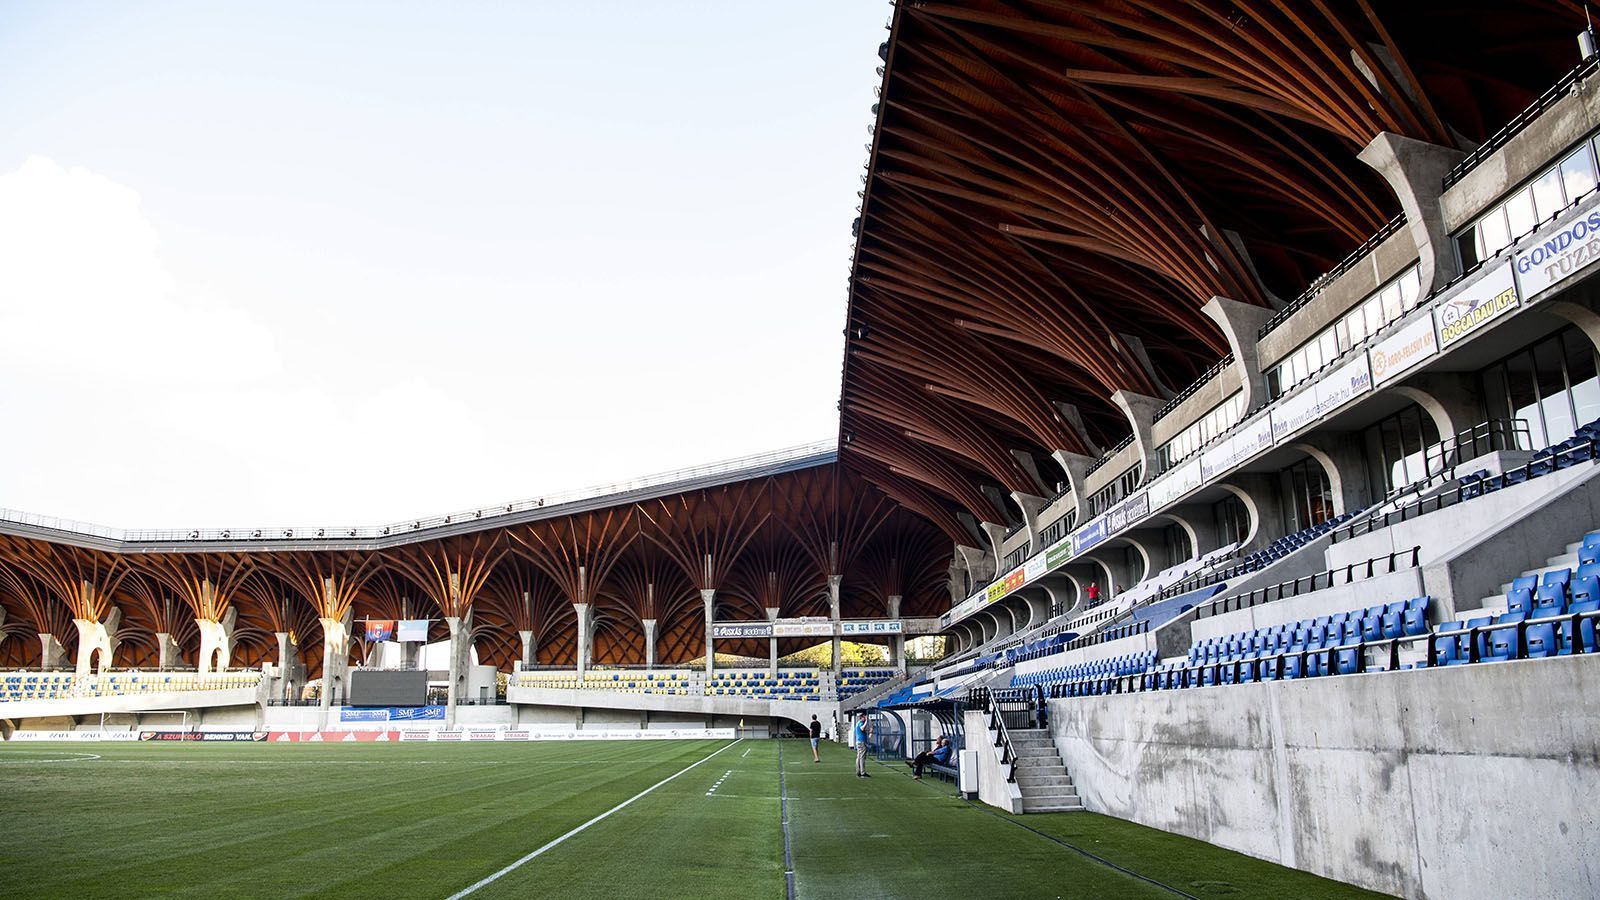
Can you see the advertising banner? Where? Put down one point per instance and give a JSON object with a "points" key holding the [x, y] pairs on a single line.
{"points": [[1034, 568], [871, 626], [1057, 554], [1175, 483], [76, 736], [1571, 249], [412, 631], [1402, 351], [1089, 535], [392, 714], [1320, 398], [1481, 302], [1128, 512], [802, 628], [380, 629], [735, 630], [202, 735]]}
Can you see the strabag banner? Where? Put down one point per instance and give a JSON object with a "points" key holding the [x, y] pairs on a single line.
{"points": [[75, 736]]}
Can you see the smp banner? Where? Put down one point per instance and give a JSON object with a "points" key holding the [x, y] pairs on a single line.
{"points": [[392, 714]]}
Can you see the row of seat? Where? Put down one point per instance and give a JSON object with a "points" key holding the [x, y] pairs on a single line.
{"points": [[15, 686], [1130, 664]]}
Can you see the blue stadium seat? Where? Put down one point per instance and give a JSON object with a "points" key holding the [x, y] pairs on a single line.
{"points": [[1448, 646], [1520, 601], [1415, 619], [1551, 599], [1541, 639], [1503, 641]]}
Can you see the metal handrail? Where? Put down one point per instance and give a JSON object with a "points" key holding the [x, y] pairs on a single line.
{"points": [[1097, 464], [1467, 488], [1344, 265], [1520, 121], [1293, 588], [1192, 389]]}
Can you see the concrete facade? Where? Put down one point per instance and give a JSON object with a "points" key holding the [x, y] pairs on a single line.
{"points": [[1455, 783]]}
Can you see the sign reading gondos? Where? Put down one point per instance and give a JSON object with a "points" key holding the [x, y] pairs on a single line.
{"points": [[1573, 246], [1488, 298]]}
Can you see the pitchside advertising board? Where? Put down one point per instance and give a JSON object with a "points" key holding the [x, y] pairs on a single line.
{"points": [[781, 628], [222, 736], [392, 714]]}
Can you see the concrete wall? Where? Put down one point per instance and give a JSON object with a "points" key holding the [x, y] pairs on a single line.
{"points": [[1458, 783], [993, 788]]}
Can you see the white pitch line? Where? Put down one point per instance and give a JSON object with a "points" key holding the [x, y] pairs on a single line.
{"points": [[490, 879], [75, 757]]}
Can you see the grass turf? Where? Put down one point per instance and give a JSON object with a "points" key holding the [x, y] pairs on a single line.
{"points": [[422, 820]]}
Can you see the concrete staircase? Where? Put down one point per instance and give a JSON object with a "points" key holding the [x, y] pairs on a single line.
{"points": [[1041, 777], [1567, 560]]}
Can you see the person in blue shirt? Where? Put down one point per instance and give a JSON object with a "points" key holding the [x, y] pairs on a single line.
{"points": [[939, 754], [862, 729]]}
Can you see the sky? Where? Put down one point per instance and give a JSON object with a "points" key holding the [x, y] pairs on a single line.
{"points": [[351, 263]]}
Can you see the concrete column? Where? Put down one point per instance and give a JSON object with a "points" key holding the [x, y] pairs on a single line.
{"points": [[1031, 506], [1240, 323], [1415, 171], [1453, 400], [582, 609], [216, 642], [1076, 465], [649, 644], [897, 643], [335, 663], [1341, 457], [51, 654], [1262, 496], [530, 653], [97, 637], [168, 654], [772, 652], [289, 667], [460, 660], [979, 564], [1141, 411], [834, 581], [708, 597], [996, 533]]}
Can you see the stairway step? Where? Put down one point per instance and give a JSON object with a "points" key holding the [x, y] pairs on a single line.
{"points": [[1028, 779], [1075, 805], [1040, 762]]}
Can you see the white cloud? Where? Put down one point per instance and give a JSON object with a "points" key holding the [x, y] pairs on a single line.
{"points": [[84, 294]]}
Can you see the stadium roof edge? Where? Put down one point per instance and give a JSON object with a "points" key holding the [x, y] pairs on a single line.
{"points": [[281, 538]]}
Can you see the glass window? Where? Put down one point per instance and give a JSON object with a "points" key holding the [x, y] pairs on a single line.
{"points": [[1581, 373], [1577, 173], [1554, 402], [1524, 393], [1492, 229], [1519, 213], [1329, 348], [1548, 198], [1411, 287], [1372, 311]]}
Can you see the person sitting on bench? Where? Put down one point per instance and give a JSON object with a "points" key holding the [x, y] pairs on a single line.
{"points": [[939, 754]]}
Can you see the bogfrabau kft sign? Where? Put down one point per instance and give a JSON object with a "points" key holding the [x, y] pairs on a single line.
{"points": [[1479, 303]]}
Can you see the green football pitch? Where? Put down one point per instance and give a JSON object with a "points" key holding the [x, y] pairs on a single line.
{"points": [[648, 819]]}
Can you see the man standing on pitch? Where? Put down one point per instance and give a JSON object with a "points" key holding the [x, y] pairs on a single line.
{"points": [[816, 735], [861, 746]]}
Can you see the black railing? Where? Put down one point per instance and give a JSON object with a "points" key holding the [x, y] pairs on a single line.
{"points": [[1469, 487], [1316, 581], [1097, 464], [1196, 385], [1521, 120], [1327, 278], [1471, 443], [1105, 635]]}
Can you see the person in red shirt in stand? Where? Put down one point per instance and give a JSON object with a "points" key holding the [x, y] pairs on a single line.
{"points": [[1094, 593]]}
